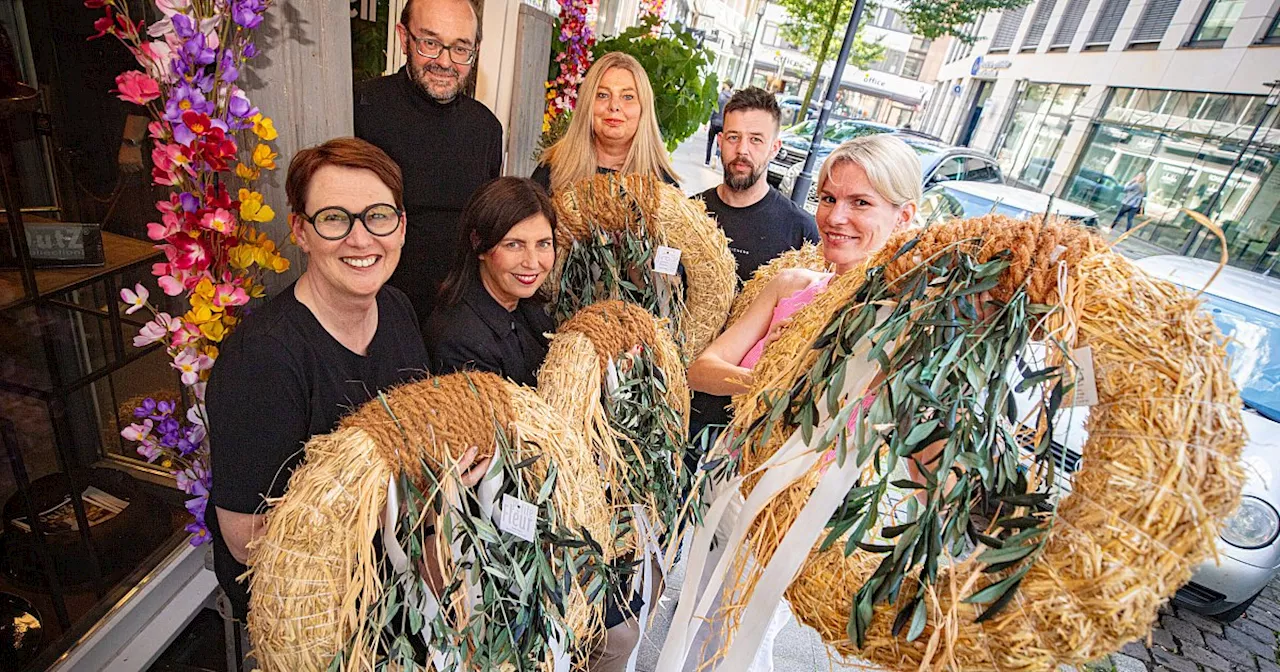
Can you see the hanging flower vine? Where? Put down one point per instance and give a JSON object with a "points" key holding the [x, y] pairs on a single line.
{"points": [[572, 54], [190, 62]]}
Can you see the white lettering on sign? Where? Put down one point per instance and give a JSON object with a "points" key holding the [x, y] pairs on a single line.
{"points": [[519, 518], [667, 260]]}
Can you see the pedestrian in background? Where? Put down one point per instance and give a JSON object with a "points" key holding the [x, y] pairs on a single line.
{"points": [[615, 129], [717, 118], [1135, 192]]}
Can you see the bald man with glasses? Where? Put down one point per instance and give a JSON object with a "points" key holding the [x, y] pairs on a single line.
{"points": [[446, 143]]}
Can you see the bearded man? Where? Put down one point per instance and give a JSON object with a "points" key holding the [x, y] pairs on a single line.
{"points": [[446, 143]]}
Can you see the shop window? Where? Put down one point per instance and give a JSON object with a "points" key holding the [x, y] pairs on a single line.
{"points": [[1217, 21], [1030, 142]]}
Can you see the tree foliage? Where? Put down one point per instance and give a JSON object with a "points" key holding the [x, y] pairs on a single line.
{"points": [[679, 68]]}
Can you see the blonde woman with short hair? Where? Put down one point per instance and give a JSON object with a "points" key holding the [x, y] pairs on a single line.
{"points": [[614, 128]]}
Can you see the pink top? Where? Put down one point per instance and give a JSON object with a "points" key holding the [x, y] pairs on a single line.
{"points": [[786, 307]]}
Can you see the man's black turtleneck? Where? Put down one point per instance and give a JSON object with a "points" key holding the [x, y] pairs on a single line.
{"points": [[445, 151]]}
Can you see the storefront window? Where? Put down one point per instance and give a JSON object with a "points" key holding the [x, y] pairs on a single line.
{"points": [[1041, 119], [1187, 150]]}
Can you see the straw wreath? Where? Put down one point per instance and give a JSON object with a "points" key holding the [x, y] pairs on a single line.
{"points": [[808, 256], [609, 229], [637, 430], [1046, 584], [321, 594]]}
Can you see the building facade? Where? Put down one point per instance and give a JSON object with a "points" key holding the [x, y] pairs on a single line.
{"points": [[1076, 97]]}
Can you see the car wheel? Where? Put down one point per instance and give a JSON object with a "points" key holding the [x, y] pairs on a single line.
{"points": [[1237, 611]]}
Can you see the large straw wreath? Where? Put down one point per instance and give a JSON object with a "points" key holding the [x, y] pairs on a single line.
{"points": [[321, 592], [610, 228], [995, 570], [615, 373], [808, 256]]}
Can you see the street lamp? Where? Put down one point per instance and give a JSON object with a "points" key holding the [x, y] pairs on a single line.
{"points": [[1273, 99]]}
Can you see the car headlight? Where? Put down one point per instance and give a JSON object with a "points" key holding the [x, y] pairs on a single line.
{"points": [[1254, 525]]}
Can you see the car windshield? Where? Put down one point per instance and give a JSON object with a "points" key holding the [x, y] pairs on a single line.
{"points": [[853, 130], [1254, 348]]}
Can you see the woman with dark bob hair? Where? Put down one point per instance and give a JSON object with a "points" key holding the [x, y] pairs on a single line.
{"points": [[487, 319]]}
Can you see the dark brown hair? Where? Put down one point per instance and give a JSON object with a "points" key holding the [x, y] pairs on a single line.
{"points": [[496, 207], [345, 152], [754, 98]]}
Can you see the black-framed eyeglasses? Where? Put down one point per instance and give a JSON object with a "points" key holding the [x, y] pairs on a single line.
{"points": [[428, 47], [335, 223]]}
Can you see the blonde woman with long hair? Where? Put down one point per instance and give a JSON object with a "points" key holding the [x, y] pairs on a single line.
{"points": [[614, 128]]}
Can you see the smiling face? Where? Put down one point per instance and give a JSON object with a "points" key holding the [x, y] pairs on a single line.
{"points": [[516, 267], [444, 23], [854, 219], [748, 142], [615, 113], [357, 265]]}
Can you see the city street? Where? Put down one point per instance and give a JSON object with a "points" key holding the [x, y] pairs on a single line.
{"points": [[1182, 642]]}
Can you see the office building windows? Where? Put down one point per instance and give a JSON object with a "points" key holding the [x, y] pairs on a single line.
{"points": [[1104, 29], [1068, 24], [1154, 22], [1217, 21], [1039, 21], [1007, 29]]}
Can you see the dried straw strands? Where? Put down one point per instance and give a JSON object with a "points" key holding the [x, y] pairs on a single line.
{"points": [[572, 382], [808, 256], [1159, 471], [643, 204], [316, 576]]}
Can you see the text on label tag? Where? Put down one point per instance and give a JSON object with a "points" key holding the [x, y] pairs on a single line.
{"points": [[519, 518], [1086, 392], [667, 260]]}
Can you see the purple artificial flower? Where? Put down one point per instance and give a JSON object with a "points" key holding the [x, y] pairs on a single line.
{"points": [[190, 202], [196, 506], [199, 533], [250, 50], [197, 48], [239, 106], [227, 64], [147, 408], [183, 135], [248, 13], [149, 449], [165, 408], [185, 97], [184, 26]]}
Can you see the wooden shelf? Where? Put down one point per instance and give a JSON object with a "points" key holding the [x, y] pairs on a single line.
{"points": [[120, 253]]}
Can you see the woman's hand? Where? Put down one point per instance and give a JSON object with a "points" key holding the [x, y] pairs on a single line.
{"points": [[471, 472], [776, 331]]}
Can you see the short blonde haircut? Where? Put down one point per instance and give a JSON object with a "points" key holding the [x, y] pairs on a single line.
{"points": [[573, 157], [891, 166]]}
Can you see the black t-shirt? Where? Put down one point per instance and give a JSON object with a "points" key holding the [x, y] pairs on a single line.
{"points": [[757, 234], [280, 379], [542, 175], [478, 334], [445, 151]]}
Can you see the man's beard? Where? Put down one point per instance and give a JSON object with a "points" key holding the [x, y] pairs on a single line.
{"points": [[744, 182], [439, 94]]}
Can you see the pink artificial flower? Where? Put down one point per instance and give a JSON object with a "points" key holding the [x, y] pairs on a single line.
{"points": [[138, 431], [136, 298], [150, 450], [195, 414], [170, 285], [136, 87], [185, 335], [225, 296], [189, 252], [157, 130], [171, 224], [171, 7], [219, 220], [154, 331], [190, 363]]}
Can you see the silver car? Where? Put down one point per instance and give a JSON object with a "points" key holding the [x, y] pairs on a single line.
{"points": [[1246, 308]]}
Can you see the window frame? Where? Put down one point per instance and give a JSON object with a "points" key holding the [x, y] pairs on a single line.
{"points": [[1195, 41], [1272, 33]]}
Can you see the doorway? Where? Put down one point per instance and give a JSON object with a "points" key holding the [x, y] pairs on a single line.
{"points": [[985, 86]]}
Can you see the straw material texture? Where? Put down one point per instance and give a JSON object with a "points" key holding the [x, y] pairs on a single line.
{"points": [[572, 375], [1160, 468], [808, 256], [315, 573], [643, 204]]}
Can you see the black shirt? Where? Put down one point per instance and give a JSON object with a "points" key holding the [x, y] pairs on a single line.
{"points": [[445, 151], [757, 234], [478, 334], [542, 175], [280, 378]]}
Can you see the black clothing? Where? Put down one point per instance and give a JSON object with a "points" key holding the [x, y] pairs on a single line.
{"points": [[542, 175], [712, 131], [757, 234], [478, 334], [280, 379], [762, 230], [445, 151]]}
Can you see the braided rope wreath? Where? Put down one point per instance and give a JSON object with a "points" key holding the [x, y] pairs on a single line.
{"points": [[604, 209], [585, 353], [1159, 471], [318, 585]]}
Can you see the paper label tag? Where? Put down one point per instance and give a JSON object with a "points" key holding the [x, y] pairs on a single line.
{"points": [[667, 260], [1086, 392], [519, 518]]}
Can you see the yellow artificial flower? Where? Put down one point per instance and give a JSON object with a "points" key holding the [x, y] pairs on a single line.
{"points": [[263, 127], [213, 330], [252, 208], [263, 157], [246, 173], [241, 257], [199, 314], [204, 289]]}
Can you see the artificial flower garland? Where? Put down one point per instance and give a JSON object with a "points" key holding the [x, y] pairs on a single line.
{"points": [[572, 60], [191, 60]]}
